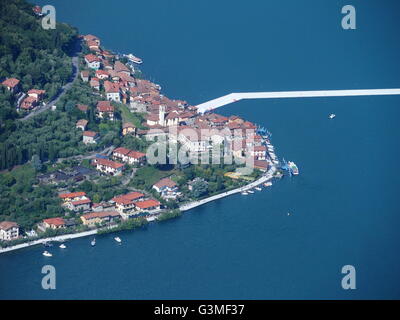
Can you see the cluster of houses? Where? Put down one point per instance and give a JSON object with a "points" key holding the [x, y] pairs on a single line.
{"points": [[25, 101], [200, 133], [122, 207], [129, 156], [133, 204]]}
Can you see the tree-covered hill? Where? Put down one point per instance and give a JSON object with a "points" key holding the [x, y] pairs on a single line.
{"points": [[40, 59], [37, 57]]}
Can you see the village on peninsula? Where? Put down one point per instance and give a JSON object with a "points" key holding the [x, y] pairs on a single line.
{"points": [[108, 183]]}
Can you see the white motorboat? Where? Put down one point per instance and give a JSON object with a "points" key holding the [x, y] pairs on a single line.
{"points": [[118, 239], [332, 115], [93, 243], [250, 191], [62, 246], [244, 193], [47, 254], [258, 188]]}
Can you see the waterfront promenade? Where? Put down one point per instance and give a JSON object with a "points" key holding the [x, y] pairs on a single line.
{"points": [[234, 97], [266, 177], [42, 241]]}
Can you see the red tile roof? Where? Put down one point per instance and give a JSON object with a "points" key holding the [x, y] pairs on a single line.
{"points": [[101, 214], [108, 163], [72, 195], [91, 58], [166, 182], [82, 122], [90, 134], [121, 150], [6, 225], [101, 73], [104, 106], [79, 202], [111, 87], [36, 91], [119, 66], [147, 204], [10, 82], [136, 154], [55, 221]]}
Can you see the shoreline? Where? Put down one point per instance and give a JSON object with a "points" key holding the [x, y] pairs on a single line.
{"points": [[186, 207]]}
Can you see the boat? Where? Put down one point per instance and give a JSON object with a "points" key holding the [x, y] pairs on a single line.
{"points": [[332, 115], [268, 184], [93, 243], [250, 191], [134, 59], [62, 246], [258, 188], [118, 239], [293, 168], [244, 193], [47, 254], [47, 244]]}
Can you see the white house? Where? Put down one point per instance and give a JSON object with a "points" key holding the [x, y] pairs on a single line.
{"points": [[104, 109], [108, 166], [92, 61], [167, 188], [90, 137], [9, 230], [112, 91]]}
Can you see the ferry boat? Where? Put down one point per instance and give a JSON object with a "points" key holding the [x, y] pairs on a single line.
{"points": [[332, 115], [93, 243], [47, 254], [293, 168], [118, 239], [62, 246], [134, 59]]}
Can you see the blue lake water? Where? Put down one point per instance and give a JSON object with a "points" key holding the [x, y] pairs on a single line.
{"points": [[344, 205]]}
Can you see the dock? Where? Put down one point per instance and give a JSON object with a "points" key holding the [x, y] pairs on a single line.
{"points": [[234, 97]]}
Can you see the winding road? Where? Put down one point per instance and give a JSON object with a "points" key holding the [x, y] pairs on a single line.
{"points": [[64, 89]]}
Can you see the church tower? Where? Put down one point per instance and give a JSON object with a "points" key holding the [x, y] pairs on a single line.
{"points": [[161, 116]]}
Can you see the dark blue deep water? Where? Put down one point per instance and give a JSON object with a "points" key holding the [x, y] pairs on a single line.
{"points": [[345, 203]]}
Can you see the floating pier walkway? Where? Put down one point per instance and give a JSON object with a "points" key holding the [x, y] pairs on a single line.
{"points": [[233, 97]]}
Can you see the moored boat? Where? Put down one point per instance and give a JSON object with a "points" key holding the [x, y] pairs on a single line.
{"points": [[293, 168], [47, 254], [134, 59], [118, 239], [62, 246]]}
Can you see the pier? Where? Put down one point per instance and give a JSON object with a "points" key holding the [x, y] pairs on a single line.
{"points": [[234, 97]]}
